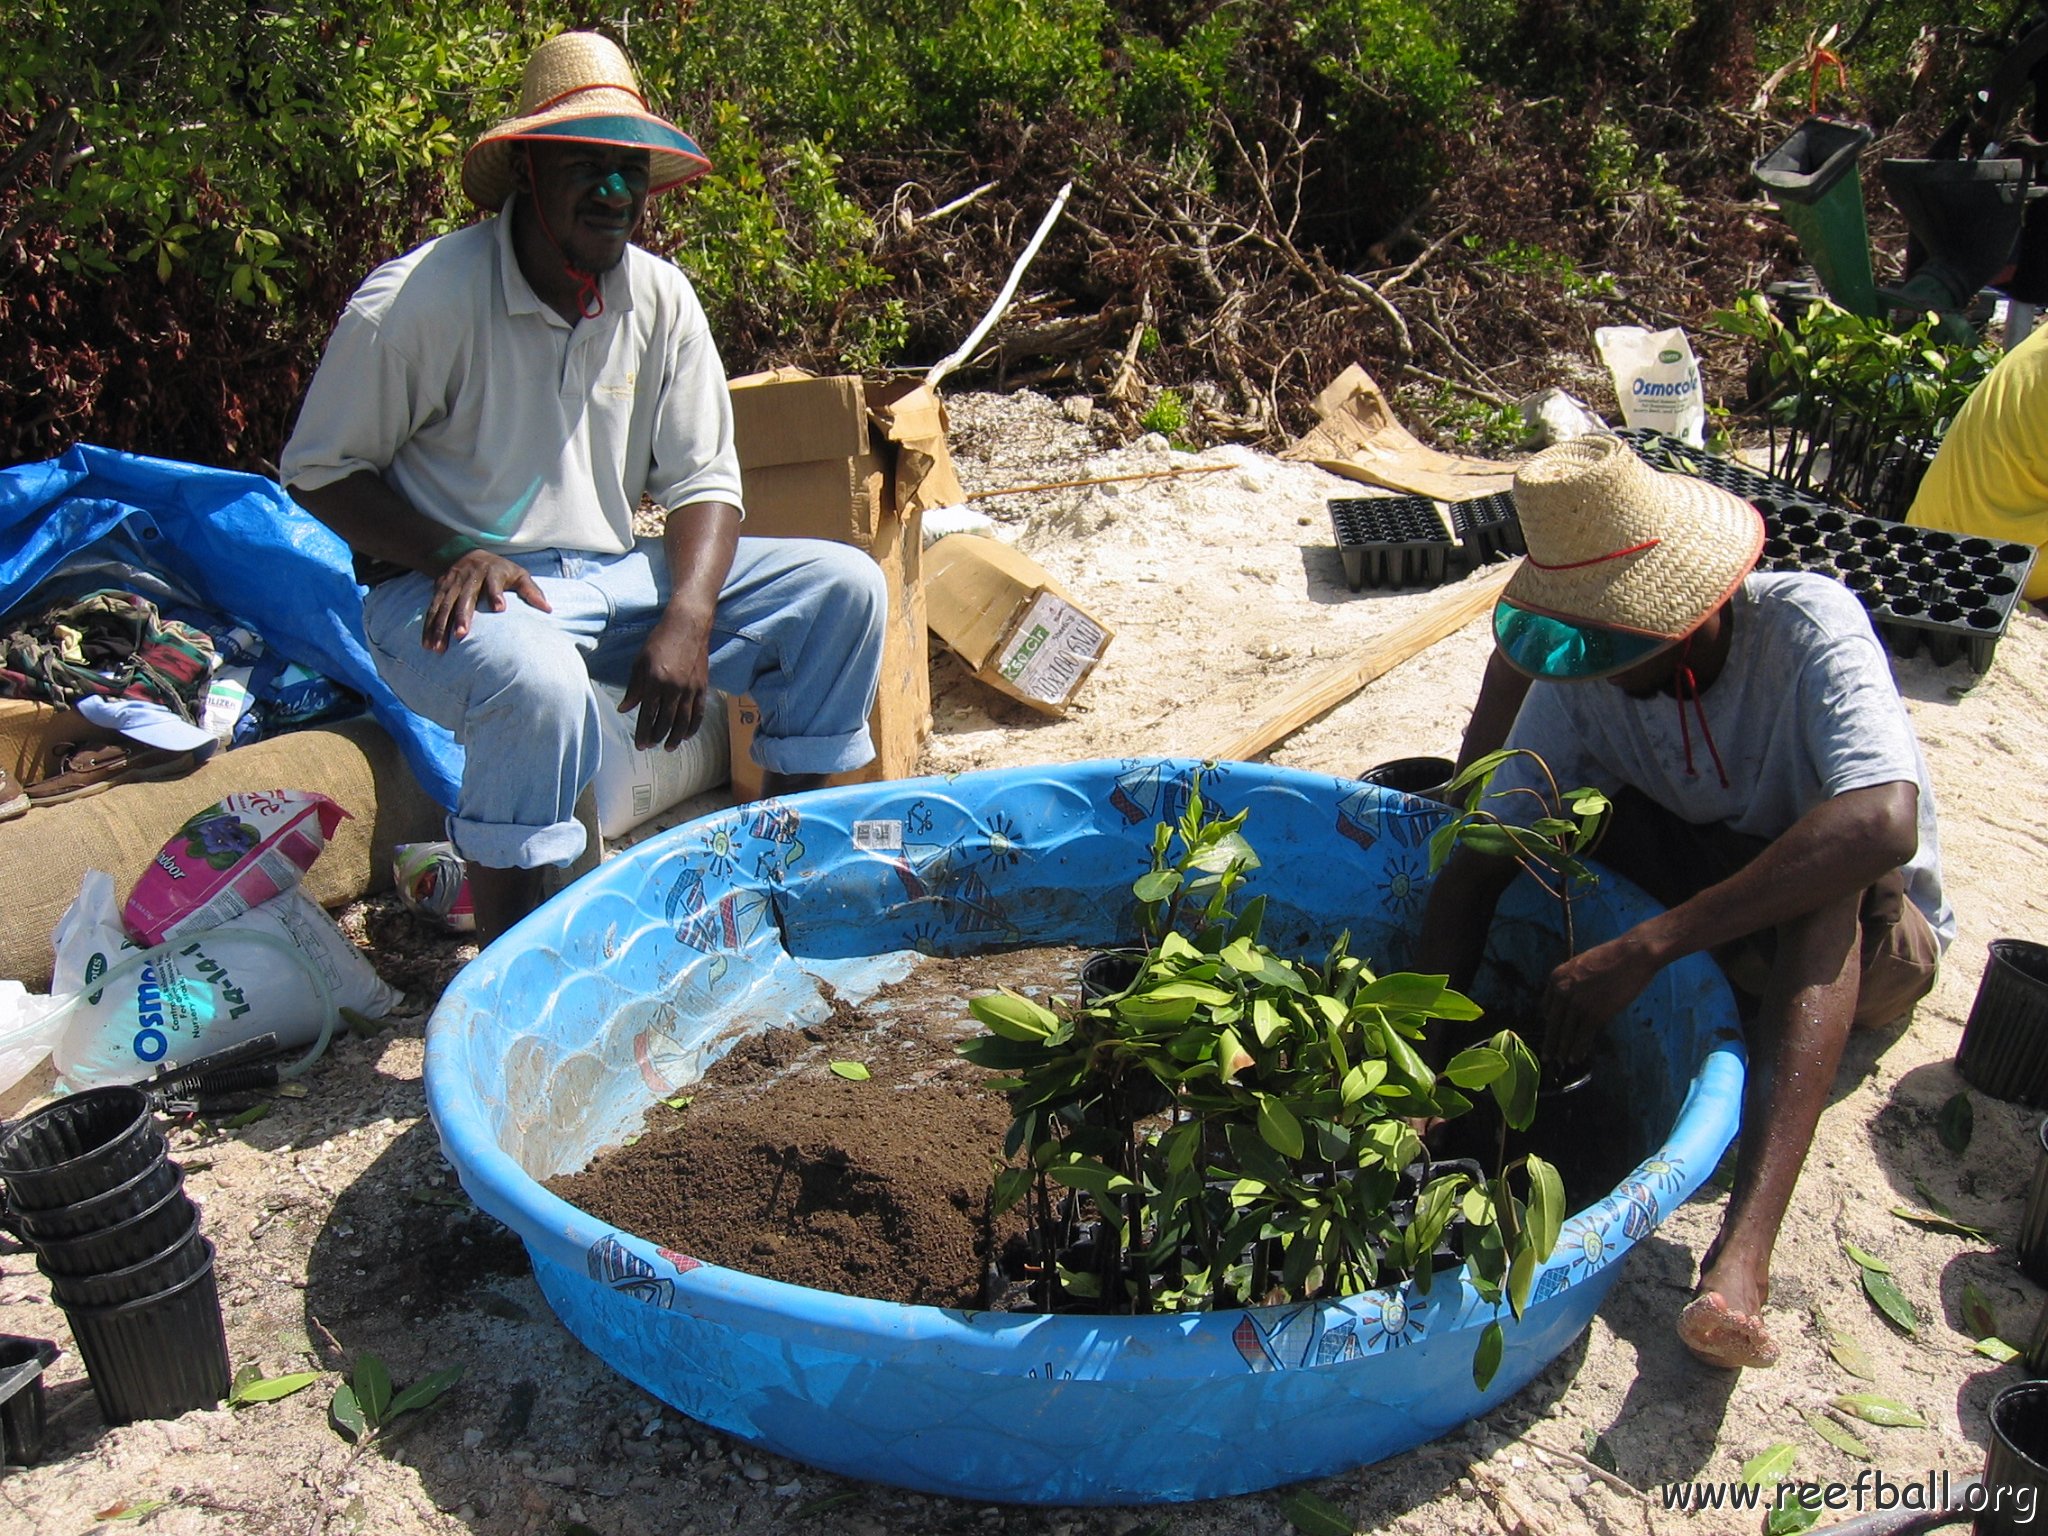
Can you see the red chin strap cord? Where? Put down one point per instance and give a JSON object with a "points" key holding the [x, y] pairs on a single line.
{"points": [[589, 297], [1685, 683]]}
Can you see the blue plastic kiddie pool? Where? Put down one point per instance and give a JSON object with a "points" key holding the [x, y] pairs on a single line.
{"points": [[552, 1045]]}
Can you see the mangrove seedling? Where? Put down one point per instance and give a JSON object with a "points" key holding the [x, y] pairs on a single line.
{"points": [[1242, 1122]]}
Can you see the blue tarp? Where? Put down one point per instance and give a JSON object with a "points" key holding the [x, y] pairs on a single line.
{"points": [[236, 540]]}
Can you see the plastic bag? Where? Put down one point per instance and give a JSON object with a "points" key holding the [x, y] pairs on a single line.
{"points": [[230, 857], [431, 882], [1657, 380], [279, 970], [29, 1026]]}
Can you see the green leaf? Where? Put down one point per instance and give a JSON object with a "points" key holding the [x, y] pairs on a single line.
{"points": [[852, 1071], [1996, 1349], [131, 1509], [248, 1116], [1979, 1316], [1598, 1451], [1844, 1350], [1866, 1261], [1079, 1282], [1012, 1185], [261, 1389], [1872, 1409], [347, 1415], [1956, 1122], [680, 1101], [1769, 1465], [1789, 1518], [1521, 1280], [1546, 1207], [1157, 886], [1885, 1295], [373, 1387], [1486, 1358], [1314, 1516], [1011, 1016], [1278, 1128], [1937, 1221], [1477, 1067], [1841, 1439], [424, 1392]]}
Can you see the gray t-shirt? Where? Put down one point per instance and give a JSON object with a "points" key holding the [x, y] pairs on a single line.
{"points": [[1804, 710]]}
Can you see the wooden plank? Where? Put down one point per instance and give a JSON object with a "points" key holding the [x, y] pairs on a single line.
{"points": [[1457, 607]]}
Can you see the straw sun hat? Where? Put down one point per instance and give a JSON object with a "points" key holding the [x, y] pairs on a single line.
{"points": [[580, 88], [1624, 560]]}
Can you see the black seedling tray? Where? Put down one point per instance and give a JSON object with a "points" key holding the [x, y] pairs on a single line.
{"points": [[1949, 594], [1488, 528], [1390, 541], [1674, 453]]}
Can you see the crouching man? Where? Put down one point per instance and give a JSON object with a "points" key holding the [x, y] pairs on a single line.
{"points": [[489, 412], [1768, 789]]}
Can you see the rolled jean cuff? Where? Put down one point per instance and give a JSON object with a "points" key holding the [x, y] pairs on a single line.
{"points": [[815, 754], [497, 846]]}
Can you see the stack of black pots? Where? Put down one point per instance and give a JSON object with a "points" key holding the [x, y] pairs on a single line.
{"points": [[91, 1185]]}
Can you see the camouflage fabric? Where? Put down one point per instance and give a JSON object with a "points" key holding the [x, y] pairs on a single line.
{"points": [[108, 642]]}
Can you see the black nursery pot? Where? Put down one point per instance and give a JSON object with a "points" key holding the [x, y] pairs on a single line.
{"points": [[2016, 1469], [157, 1357], [2033, 1238], [2004, 1049], [85, 1217], [181, 1257], [1109, 971], [78, 1147], [2036, 1357], [141, 1236], [1428, 777], [22, 1417]]}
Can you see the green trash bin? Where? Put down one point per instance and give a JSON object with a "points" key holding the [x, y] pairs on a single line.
{"points": [[1812, 178]]}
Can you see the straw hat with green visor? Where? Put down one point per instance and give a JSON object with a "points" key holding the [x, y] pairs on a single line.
{"points": [[1624, 560], [580, 88]]}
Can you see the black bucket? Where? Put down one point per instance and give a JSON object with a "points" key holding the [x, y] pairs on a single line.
{"points": [[78, 1147], [2032, 1245], [1108, 972], [157, 1357], [22, 1417], [2004, 1049], [2016, 1468], [1428, 777]]}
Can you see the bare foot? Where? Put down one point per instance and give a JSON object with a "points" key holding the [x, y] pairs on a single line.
{"points": [[1720, 1336]]}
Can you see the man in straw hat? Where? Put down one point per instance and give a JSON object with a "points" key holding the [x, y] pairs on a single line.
{"points": [[488, 415], [1767, 789]]}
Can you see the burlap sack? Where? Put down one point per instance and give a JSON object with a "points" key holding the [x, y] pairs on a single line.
{"points": [[46, 852]]}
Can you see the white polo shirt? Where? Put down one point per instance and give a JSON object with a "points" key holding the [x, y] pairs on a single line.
{"points": [[494, 416]]}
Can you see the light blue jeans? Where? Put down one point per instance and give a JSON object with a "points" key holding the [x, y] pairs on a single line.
{"points": [[799, 627]]}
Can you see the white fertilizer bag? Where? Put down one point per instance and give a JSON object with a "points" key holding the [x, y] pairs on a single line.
{"points": [[275, 970], [1657, 380], [633, 786]]}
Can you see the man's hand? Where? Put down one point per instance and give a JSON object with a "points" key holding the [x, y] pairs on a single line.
{"points": [[670, 682], [1584, 994], [476, 578]]}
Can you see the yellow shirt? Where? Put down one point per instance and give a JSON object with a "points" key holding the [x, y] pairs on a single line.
{"points": [[1990, 476]]}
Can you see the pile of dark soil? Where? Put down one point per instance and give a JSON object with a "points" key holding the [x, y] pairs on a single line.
{"points": [[781, 1167]]}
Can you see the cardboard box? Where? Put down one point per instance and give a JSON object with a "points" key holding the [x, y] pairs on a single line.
{"points": [[1017, 629], [843, 459]]}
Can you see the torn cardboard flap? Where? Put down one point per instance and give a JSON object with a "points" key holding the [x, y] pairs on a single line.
{"points": [[1358, 437], [1017, 629]]}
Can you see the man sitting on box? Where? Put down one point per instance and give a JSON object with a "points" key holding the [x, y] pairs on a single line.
{"points": [[1767, 789], [490, 411]]}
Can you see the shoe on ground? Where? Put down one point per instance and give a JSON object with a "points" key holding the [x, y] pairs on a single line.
{"points": [[84, 771]]}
